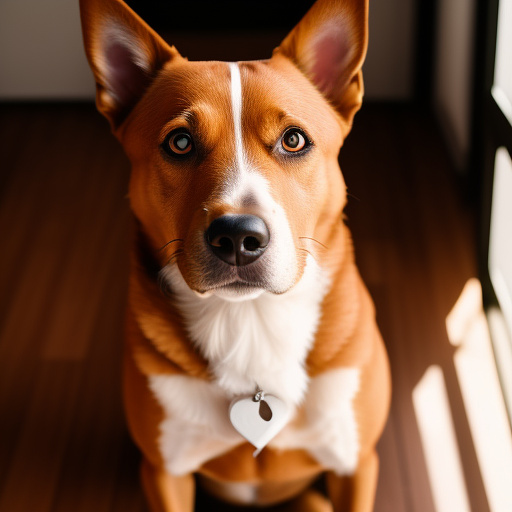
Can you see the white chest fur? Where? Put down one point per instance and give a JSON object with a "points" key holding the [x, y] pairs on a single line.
{"points": [[261, 342], [196, 427]]}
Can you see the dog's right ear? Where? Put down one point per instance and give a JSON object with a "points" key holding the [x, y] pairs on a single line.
{"points": [[125, 55], [329, 45]]}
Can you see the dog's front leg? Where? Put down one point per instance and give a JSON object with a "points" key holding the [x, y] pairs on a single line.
{"points": [[165, 492], [355, 493]]}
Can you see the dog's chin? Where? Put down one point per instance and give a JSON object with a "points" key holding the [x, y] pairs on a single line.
{"points": [[236, 292], [232, 290]]}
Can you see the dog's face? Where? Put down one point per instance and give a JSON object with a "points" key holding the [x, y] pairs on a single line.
{"points": [[235, 178], [238, 162]]}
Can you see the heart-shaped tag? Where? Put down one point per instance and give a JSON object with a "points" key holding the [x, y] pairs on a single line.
{"points": [[259, 419]]}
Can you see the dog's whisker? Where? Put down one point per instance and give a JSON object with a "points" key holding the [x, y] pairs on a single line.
{"points": [[163, 285], [349, 194], [305, 250], [174, 256], [169, 243], [313, 240]]}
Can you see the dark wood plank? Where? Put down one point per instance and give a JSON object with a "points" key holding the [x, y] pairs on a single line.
{"points": [[38, 458], [63, 219]]}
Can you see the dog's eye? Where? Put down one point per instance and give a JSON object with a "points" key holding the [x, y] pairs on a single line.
{"points": [[178, 142], [294, 140]]}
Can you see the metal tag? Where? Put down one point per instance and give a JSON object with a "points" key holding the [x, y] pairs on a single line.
{"points": [[259, 418]]}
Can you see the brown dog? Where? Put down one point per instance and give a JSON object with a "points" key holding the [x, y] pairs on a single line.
{"points": [[266, 332]]}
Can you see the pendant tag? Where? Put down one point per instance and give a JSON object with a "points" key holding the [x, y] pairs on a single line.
{"points": [[259, 418]]}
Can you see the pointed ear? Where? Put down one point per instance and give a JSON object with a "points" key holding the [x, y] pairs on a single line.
{"points": [[328, 46], [125, 55]]}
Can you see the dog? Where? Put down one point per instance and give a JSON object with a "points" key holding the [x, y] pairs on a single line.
{"points": [[253, 361]]}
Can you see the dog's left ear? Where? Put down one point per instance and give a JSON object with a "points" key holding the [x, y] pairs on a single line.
{"points": [[329, 46], [125, 55]]}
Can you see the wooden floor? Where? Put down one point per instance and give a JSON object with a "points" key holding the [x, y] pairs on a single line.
{"points": [[63, 221]]}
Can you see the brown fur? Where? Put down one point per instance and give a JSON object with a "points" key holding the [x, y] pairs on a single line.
{"points": [[168, 204]]}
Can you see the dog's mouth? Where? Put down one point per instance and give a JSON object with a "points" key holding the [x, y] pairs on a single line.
{"points": [[237, 290], [231, 287], [208, 276], [234, 282]]}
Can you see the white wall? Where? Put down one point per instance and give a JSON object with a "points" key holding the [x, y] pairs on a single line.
{"points": [[41, 54], [454, 74]]}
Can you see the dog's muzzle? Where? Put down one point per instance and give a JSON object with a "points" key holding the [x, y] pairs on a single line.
{"points": [[238, 239]]}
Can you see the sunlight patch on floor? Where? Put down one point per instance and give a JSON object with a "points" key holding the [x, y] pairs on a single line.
{"points": [[483, 399], [439, 442]]}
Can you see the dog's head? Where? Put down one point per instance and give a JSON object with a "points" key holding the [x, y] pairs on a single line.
{"points": [[235, 175]]}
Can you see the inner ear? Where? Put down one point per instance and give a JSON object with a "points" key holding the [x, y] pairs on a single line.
{"points": [[331, 53], [127, 75]]}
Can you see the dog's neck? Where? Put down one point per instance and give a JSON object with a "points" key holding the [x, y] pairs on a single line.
{"points": [[260, 342]]}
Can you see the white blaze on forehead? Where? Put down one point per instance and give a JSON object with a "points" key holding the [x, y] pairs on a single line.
{"points": [[243, 180], [236, 102]]}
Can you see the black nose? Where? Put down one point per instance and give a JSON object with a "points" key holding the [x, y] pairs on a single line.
{"points": [[238, 239]]}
